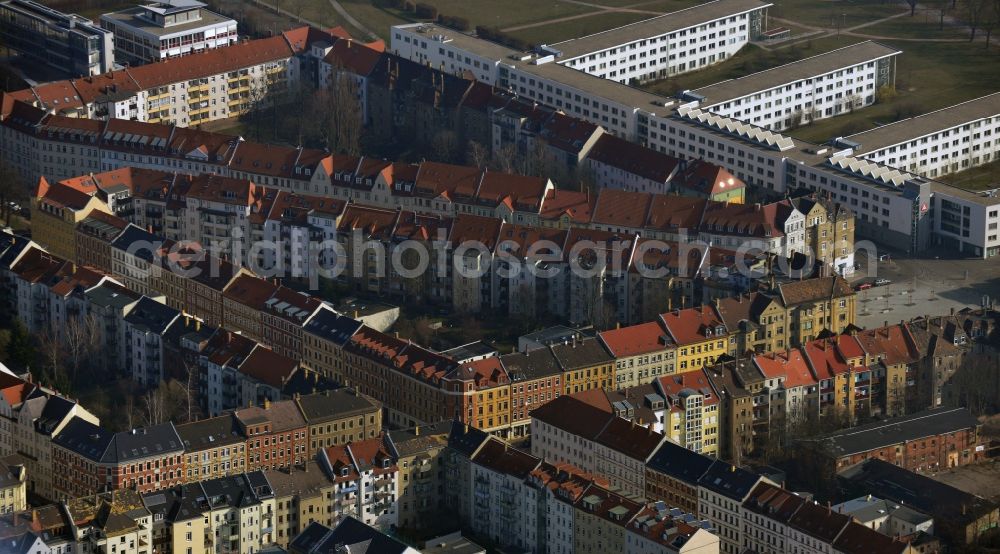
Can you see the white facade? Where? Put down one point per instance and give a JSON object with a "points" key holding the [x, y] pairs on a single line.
{"points": [[706, 34], [159, 31], [946, 141], [801, 92]]}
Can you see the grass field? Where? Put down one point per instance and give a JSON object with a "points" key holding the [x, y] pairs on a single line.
{"points": [[922, 25], [978, 178], [929, 76], [751, 59], [565, 30], [833, 15]]}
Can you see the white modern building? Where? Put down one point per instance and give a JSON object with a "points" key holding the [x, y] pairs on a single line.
{"points": [[945, 141], [167, 29], [804, 91], [672, 43]]}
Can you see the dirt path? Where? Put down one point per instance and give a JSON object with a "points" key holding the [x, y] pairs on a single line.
{"points": [[350, 19]]}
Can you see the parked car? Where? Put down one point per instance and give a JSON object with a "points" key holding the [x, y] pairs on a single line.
{"points": [[863, 286], [881, 282]]}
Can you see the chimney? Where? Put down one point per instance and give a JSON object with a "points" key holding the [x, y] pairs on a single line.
{"points": [[416, 431], [466, 428], [356, 314], [952, 310], [267, 403]]}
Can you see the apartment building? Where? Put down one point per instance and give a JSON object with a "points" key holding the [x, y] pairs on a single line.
{"points": [[339, 417], [13, 478], [672, 475], [143, 338], [32, 416], [419, 454], [66, 43], [777, 520], [670, 44], [212, 84], [692, 412], [937, 143], [722, 490], [651, 49], [523, 502], [757, 156], [213, 448], [569, 430], [276, 435], [367, 478], [701, 337], [59, 208], [231, 513], [642, 353], [323, 340], [301, 498], [161, 30], [798, 93], [922, 442]]}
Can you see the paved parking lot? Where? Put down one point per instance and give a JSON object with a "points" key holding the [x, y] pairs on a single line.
{"points": [[926, 287]]}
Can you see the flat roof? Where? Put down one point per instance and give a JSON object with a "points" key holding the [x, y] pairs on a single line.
{"points": [[927, 124], [807, 68], [656, 26], [130, 18], [592, 85], [880, 434]]}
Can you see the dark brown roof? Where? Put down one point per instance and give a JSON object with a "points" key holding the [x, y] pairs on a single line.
{"points": [[811, 290]]}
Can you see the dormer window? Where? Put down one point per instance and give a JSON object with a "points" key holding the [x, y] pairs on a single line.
{"points": [[385, 463], [344, 471]]}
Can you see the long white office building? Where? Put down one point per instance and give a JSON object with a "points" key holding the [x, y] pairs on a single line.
{"points": [[166, 29], [895, 208], [673, 43], [945, 141], [804, 91]]}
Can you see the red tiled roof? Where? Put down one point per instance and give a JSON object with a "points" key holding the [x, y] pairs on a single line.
{"points": [[622, 208], [789, 365], [673, 386], [634, 158], [636, 339], [359, 59], [250, 291], [688, 326], [577, 205], [519, 192], [485, 373]]}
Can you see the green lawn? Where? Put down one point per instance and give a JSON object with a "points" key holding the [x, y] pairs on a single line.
{"points": [[922, 25], [665, 6], [750, 60], [834, 14], [978, 178], [929, 76], [374, 16], [508, 13], [565, 30]]}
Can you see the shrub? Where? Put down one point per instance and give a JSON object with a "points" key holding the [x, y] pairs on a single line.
{"points": [[426, 11]]}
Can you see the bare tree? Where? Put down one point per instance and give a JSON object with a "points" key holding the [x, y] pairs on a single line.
{"points": [[337, 113], [82, 338], [190, 393], [991, 18], [444, 145], [477, 155], [975, 12], [53, 355], [505, 159]]}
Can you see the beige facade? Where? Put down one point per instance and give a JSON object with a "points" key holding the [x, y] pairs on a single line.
{"points": [[13, 489]]}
